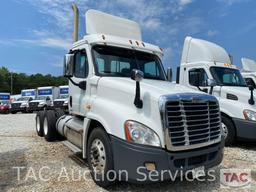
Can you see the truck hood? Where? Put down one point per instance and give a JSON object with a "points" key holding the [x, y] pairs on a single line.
{"points": [[154, 88], [61, 99], [19, 102], [37, 101], [243, 93]]}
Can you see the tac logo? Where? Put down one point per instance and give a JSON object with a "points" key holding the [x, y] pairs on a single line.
{"points": [[235, 178]]}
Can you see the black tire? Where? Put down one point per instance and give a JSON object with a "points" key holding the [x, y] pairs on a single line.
{"points": [[231, 131], [50, 132], [100, 134], [40, 123], [13, 112]]}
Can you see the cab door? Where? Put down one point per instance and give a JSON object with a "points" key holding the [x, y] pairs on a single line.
{"points": [[81, 72]]}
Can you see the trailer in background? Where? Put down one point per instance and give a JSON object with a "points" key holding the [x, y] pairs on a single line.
{"points": [[4, 102], [44, 99], [22, 103], [62, 100]]}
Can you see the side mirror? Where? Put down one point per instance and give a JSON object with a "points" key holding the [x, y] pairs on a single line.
{"points": [[68, 65], [251, 100], [137, 75], [169, 74], [211, 82]]}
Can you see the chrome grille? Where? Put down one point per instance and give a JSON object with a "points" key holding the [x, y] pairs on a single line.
{"points": [[15, 105], [191, 122], [58, 103], [33, 104]]}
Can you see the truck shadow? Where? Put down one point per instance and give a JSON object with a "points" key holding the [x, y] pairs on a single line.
{"points": [[8, 172], [246, 145]]}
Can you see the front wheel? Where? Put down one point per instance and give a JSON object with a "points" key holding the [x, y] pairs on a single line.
{"points": [[229, 131], [40, 123], [100, 158]]}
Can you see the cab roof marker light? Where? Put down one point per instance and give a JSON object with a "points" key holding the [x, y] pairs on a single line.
{"points": [[143, 44], [137, 43], [130, 42], [103, 37]]}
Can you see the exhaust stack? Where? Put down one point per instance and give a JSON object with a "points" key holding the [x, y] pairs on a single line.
{"points": [[76, 17]]}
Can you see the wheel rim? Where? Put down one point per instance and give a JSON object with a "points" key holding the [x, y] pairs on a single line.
{"points": [[37, 124], [225, 130], [45, 126], [98, 156]]}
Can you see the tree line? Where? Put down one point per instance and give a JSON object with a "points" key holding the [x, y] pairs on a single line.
{"points": [[21, 81]]}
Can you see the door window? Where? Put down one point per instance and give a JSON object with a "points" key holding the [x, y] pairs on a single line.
{"points": [[81, 65]]}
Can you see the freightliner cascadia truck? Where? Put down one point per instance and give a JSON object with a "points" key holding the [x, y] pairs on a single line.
{"points": [[22, 103], [204, 62], [124, 113], [44, 99], [249, 71], [62, 100]]}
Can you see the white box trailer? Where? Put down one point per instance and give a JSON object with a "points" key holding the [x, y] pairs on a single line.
{"points": [[4, 98], [44, 98], [203, 63], [62, 100], [21, 104], [121, 109]]}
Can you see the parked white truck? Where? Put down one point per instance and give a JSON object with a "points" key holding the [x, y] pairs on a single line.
{"points": [[207, 67], [124, 113], [62, 100], [44, 99], [249, 71], [22, 103]]}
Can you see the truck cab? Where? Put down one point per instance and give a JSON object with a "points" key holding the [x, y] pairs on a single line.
{"points": [[62, 100], [22, 103], [44, 98], [124, 113], [207, 67], [249, 71], [4, 103]]}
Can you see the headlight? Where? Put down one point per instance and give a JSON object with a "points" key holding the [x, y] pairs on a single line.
{"points": [[41, 104], [249, 115], [138, 133]]}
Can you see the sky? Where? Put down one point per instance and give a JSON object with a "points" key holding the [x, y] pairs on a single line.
{"points": [[35, 34]]}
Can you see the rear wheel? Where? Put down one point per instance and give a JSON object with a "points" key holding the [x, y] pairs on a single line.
{"points": [[40, 123], [50, 132], [13, 112], [100, 157], [229, 131]]}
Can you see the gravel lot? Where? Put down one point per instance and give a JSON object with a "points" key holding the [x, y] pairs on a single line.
{"points": [[21, 147]]}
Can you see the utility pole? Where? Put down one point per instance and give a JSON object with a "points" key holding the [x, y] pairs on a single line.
{"points": [[11, 84]]}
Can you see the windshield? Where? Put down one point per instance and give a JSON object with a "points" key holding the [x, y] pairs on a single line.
{"points": [[227, 76], [4, 102], [41, 98], [119, 62], [63, 96], [23, 99]]}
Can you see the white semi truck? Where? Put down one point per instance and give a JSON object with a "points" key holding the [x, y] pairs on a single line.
{"points": [[249, 71], [62, 100], [44, 99], [22, 103], [207, 67], [124, 114]]}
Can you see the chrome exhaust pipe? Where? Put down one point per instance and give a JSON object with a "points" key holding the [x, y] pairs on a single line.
{"points": [[76, 17]]}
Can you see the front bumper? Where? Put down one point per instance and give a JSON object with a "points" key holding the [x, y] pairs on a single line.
{"points": [[20, 109], [246, 130], [132, 158]]}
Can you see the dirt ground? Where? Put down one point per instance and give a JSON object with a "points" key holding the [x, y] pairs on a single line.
{"points": [[29, 163]]}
